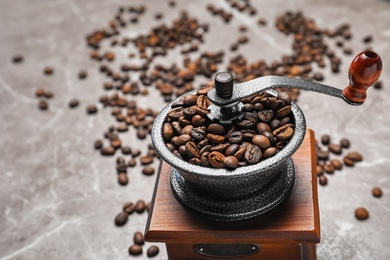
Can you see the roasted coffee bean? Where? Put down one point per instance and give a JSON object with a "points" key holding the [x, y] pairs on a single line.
{"points": [[216, 159], [182, 140], [263, 127], [135, 250], [253, 154], [275, 124], [83, 74], [318, 76], [215, 139], [329, 168], [175, 113], [348, 162], [354, 156], [232, 149], [337, 164], [231, 162], [216, 129], [122, 128], [123, 179], [269, 152], [192, 150], [126, 150], [176, 127], [138, 238], [98, 144], [235, 137], [17, 58], [140, 206], [205, 148], [220, 147], [377, 192], [261, 141], [189, 112], [91, 109], [121, 218], [107, 150], [283, 132], [335, 148], [40, 92], [43, 105], [190, 100], [246, 124], [270, 136], [265, 115], [132, 163], [203, 102], [198, 134], [187, 130], [152, 251], [198, 120], [121, 166], [128, 207], [345, 143], [285, 97], [135, 152], [141, 133], [48, 70], [116, 143], [325, 139], [378, 85], [148, 171], [204, 159], [322, 155], [74, 102], [146, 159], [323, 180], [283, 112], [319, 170], [361, 213]]}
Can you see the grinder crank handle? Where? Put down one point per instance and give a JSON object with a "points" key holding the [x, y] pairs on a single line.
{"points": [[364, 71]]}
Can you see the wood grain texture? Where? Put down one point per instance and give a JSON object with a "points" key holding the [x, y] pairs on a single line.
{"points": [[296, 220]]}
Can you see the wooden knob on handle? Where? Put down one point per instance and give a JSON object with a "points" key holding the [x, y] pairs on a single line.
{"points": [[364, 71]]}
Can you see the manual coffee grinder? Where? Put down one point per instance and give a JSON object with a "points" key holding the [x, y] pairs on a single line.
{"points": [[267, 210]]}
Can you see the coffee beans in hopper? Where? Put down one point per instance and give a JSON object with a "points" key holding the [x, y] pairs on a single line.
{"points": [[266, 128]]}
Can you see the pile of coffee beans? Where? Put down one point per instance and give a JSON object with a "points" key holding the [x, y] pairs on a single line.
{"points": [[266, 128]]}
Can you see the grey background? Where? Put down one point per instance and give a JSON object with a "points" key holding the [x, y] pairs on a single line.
{"points": [[58, 197]]}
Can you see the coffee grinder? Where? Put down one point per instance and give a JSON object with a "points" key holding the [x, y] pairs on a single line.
{"points": [[268, 210]]}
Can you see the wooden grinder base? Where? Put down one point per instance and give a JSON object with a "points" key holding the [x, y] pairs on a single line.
{"points": [[290, 231]]}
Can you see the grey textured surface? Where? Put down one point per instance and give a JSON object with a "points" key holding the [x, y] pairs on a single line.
{"points": [[58, 197]]}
